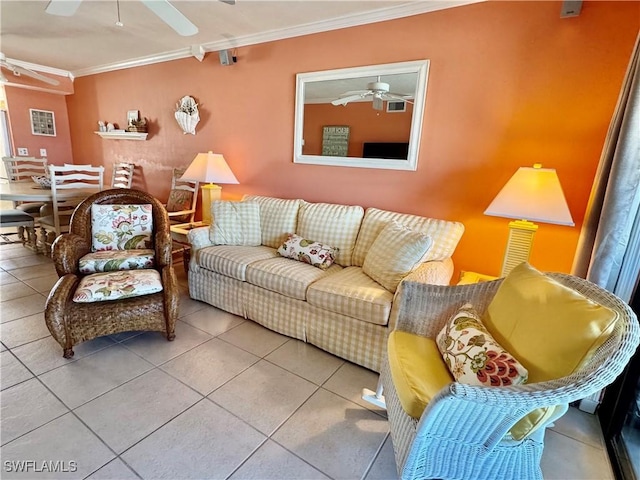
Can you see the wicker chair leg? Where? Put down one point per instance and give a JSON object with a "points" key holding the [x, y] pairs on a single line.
{"points": [[171, 336], [68, 353]]}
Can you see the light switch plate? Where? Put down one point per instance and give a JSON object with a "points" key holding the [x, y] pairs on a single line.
{"points": [[23, 152], [43, 152]]}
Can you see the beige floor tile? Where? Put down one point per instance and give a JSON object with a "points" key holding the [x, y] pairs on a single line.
{"points": [[204, 442], [154, 347], [116, 469], [580, 426], [254, 338], [15, 251], [305, 360], [91, 376], [123, 336], [22, 307], [2, 347], [43, 284], [12, 371], [23, 262], [334, 435], [188, 306], [209, 365], [349, 381], [27, 406], [46, 354], [384, 466], [6, 278], [212, 320], [65, 439], [564, 458], [12, 291], [28, 273], [276, 392], [272, 462], [124, 416], [24, 330]]}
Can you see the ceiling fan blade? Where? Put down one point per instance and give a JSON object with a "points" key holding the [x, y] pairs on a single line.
{"points": [[345, 100], [64, 8], [172, 17], [395, 96], [30, 73]]}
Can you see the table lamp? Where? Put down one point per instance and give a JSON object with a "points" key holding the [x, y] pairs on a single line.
{"points": [[532, 193], [208, 168]]}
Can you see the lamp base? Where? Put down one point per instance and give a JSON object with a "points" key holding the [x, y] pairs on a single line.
{"points": [[210, 192], [519, 245]]}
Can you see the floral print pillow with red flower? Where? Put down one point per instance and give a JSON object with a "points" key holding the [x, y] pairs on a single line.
{"points": [[473, 356], [121, 227], [308, 251]]}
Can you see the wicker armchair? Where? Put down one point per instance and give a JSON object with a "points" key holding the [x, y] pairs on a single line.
{"points": [[71, 323], [462, 432]]}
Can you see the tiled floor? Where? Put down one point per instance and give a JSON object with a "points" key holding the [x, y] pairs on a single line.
{"points": [[226, 399]]}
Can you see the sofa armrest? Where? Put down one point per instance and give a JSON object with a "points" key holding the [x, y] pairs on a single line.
{"points": [[437, 272], [199, 238]]}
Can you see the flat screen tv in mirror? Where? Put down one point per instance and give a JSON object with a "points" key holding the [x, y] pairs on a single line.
{"points": [[368, 117]]}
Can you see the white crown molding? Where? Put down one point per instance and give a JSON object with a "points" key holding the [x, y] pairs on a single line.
{"points": [[41, 68], [415, 7]]}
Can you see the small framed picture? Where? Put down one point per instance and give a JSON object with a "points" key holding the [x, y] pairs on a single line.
{"points": [[43, 122], [132, 116]]}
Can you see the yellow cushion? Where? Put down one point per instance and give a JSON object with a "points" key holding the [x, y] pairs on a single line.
{"points": [[417, 370], [551, 329], [532, 421]]}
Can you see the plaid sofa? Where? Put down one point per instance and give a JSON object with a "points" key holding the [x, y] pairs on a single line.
{"points": [[341, 309]]}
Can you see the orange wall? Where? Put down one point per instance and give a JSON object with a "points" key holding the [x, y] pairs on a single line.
{"points": [[367, 125], [510, 84], [19, 101]]}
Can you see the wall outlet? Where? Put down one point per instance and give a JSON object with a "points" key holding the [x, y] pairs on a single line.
{"points": [[43, 152], [23, 152]]}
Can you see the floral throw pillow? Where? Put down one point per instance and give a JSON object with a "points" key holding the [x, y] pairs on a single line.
{"points": [[308, 251], [178, 201], [473, 356], [121, 227]]}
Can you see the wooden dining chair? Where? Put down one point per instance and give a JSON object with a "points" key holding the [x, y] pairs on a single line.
{"points": [[21, 169], [122, 175], [183, 197], [70, 184]]}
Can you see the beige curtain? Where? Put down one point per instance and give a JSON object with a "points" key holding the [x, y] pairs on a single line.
{"points": [[608, 250]]}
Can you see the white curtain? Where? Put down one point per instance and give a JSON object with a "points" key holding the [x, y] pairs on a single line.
{"points": [[609, 246]]}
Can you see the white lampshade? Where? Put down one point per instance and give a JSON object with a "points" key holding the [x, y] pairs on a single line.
{"points": [[535, 194], [209, 168]]}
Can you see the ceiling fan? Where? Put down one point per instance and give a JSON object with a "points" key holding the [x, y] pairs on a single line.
{"points": [[17, 70], [162, 8], [378, 91]]}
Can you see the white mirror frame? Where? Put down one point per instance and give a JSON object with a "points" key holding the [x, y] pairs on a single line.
{"points": [[420, 67]]}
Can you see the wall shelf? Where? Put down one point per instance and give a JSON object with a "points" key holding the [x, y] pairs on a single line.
{"points": [[123, 135]]}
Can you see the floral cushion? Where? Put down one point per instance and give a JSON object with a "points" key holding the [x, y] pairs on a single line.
{"points": [[178, 201], [308, 251], [473, 356], [121, 227], [396, 252], [101, 287], [114, 260]]}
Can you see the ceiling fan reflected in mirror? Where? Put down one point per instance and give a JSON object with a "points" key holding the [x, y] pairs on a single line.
{"points": [[378, 91], [162, 8], [18, 70]]}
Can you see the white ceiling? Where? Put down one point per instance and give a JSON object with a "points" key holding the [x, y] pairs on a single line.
{"points": [[90, 42]]}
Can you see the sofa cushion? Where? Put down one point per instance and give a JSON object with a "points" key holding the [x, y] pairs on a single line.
{"points": [[113, 260], [286, 276], [278, 218], [231, 260], [100, 287], [417, 370], [395, 253], [331, 224], [551, 329], [352, 293], [445, 234], [235, 223], [473, 356], [121, 227], [307, 251]]}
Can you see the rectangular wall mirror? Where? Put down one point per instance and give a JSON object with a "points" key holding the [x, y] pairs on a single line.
{"points": [[367, 117]]}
